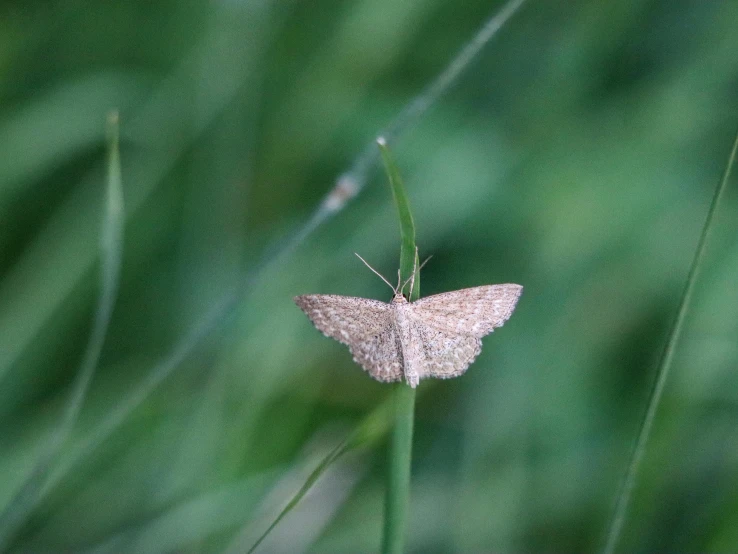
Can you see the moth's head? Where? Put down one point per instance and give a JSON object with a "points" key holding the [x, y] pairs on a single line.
{"points": [[399, 298]]}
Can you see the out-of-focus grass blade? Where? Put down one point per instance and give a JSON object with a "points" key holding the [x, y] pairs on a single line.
{"points": [[111, 253], [407, 225], [432, 93], [190, 521], [626, 489], [400, 460], [368, 433]]}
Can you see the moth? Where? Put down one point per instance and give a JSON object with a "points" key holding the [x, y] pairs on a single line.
{"points": [[437, 336]]}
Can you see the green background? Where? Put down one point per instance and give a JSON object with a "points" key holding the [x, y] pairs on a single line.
{"points": [[577, 156]]}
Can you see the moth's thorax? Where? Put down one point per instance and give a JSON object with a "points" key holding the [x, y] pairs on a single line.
{"points": [[410, 345]]}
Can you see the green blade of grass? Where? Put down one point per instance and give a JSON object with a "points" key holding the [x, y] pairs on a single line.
{"points": [[192, 520], [397, 506], [407, 225], [111, 253], [323, 466], [417, 107], [615, 526], [400, 457], [369, 432]]}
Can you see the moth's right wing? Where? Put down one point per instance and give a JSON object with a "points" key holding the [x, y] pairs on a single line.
{"points": [[446, 354], [475, 312], [364, 325], [450, 325]]}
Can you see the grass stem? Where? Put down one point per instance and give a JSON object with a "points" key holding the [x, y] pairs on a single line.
{"points": [[397, 505], [111, 254], [626, 489]]}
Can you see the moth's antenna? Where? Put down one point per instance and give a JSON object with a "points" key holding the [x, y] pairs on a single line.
{"points": [[399, 279], [377, 272], [412, 277]]}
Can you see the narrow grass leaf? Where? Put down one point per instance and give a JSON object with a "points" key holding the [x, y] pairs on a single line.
{"points": [[190, 521], [400, 460], [433, 91], [368, 433], [617, 521], [407, 225], [111, 253]]}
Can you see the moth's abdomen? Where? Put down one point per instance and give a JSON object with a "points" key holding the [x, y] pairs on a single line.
{"points": [[412, 348]]}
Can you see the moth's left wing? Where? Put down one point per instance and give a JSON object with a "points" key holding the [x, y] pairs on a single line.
{"points": [[345, 318], [472, 312], [365, 325]]}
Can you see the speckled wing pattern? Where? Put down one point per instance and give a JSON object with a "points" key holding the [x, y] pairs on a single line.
{"points": [[476, 311], [447, 355], [365, 325], [437, 336], [451, 325]]}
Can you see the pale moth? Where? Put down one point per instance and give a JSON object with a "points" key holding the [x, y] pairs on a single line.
{"points": [[437, 336]]}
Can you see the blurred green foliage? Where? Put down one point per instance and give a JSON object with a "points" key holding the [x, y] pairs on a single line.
{"points": [[576, 156]]}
